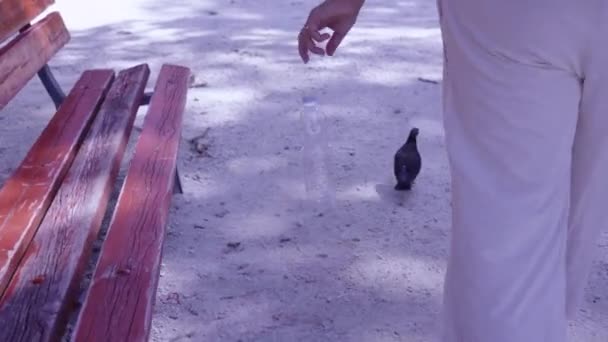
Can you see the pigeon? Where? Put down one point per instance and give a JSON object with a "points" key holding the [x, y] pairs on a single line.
{"points": [[407, 162]]}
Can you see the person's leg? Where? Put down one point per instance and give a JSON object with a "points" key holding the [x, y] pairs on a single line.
{"points": [[588, 213], [511, 102]]}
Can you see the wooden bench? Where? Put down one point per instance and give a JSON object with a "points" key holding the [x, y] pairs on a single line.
{"points": [[52, 206]]}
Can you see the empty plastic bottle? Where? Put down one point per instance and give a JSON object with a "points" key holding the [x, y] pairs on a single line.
{"points": [[319, 192]]}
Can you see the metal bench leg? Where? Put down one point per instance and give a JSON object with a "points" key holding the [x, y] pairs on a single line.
{"points": [[50, 84], [48, 80], [147, 98], [177, 187]]}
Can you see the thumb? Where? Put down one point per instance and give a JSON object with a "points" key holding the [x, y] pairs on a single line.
{"points": [[334, 42]]}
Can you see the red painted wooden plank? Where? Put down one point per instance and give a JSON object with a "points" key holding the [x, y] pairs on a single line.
{"points": [[14, 14], [119, 304], [27, 194], [25, 55], [37, 301]]}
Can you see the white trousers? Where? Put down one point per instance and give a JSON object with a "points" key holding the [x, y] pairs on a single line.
{"points": [[526, 122]]}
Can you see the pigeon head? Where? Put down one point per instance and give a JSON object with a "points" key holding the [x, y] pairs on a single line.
{"points": [[413, 134]]}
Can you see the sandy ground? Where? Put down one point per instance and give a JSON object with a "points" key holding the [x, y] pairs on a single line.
{"points": [[369, 270]]}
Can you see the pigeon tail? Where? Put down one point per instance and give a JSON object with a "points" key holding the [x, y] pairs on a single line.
{"points": [[404, 181]]}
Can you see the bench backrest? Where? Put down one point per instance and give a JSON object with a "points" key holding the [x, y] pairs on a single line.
{"points": [[32, 46]]}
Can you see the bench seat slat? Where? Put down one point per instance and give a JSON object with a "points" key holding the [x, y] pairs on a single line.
{"points": [[14, 14], [36, 303], [27, 194], [125, 280], [29, 52]]}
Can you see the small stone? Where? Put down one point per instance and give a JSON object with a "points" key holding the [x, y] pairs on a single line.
{"points": [[192, 311], [199, 85], [221, 214], [233, 244]]}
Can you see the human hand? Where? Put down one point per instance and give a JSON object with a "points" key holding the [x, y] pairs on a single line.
{"points": [[338, 15]]}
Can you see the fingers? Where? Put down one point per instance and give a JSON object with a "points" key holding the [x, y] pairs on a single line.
{"points": [[308, 36], [307, 43], [315, 49], [303, 46], [319, 37], [334, 42]]}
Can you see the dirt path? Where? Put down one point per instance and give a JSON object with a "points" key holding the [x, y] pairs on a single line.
{"points": [[242, 261]]}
